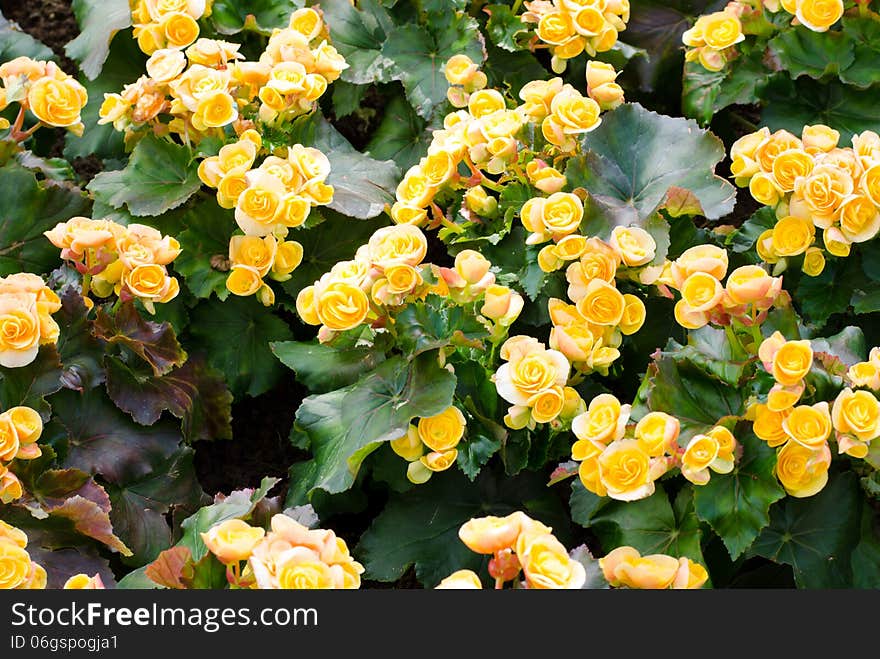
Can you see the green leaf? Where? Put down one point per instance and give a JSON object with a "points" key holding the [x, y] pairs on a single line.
{"points": [[195, 393], [420, 527], [866, 555], [347, 98], [736, 505], [322, 368], [863, 32], [362, 185], [847, 109], [121, 68], [233, 16], [706, 92], [358, 34], [652, 525], [238, 505], [420, 55], [57, 170], [584, 504], [505, 28], [815, 535], [745, 237], [15, 42], [830, 292], [336, 239], [102, 440], [206, 238], [675, 385], [29, 385], [140, 506], [801, 51], [99, 21], [235, 335], [636, 156], [474, 453], [710, 349], [434, 323], [38, 207], [159, 176], [401, 135], [155, 343], [511, 71], [347, 424]]}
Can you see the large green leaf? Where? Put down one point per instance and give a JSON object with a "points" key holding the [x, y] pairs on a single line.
{"points": [[322, 367], [736, 505], [866, 555], [675, 385], [801, 51], [358, 34], [102, 440], [362, 186], [99, 21], [159, 176], [81, 353], [14, 42], [206, 239], [401, 136], [235, 336], [864, 34], [195, 393], [844, 108], [233, 16], [584, 504], [652, 525], [420, 527], [347, 424], [830, 292], [140, 506], [121, 68], [38, 207], [420, 55], [505, 28], [636, 156], [815, 535]]}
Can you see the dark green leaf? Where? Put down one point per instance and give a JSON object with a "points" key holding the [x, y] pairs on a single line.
{"points": [[347, 424], [347, 98], [847, 109], [28, 385], [864, 34], [336, 239], [736, 505], [38, 207], [652, 525], [505, 28], [358, 34], [401, 136], [235, 335], [814, 54], [706, 92], [830, 292], [584, 504], [474, 453], [420, 527], [815, 535], [159, 176], [866, 555], [206, 239], [745, 237], [81, 353]]}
